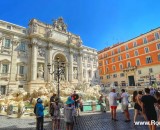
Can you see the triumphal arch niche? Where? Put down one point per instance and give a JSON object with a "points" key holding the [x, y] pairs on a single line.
{"points": [[47, 42]]}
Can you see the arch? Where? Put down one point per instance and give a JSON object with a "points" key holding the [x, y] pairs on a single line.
{"points": [[61, 55]]}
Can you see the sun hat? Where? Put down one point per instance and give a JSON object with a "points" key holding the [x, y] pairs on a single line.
{"points": [[69, 101]]}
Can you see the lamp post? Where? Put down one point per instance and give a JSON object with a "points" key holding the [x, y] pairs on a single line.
{"points": [[59, 71], [150, 79]]}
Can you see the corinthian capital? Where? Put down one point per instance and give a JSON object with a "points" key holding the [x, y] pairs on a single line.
{"points": [[34, 41]]}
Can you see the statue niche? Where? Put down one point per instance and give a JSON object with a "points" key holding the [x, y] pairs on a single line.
{"points": [[40, 73]]}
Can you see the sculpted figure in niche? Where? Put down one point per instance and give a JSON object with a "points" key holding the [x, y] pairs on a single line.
{"points": [[40, 71]]}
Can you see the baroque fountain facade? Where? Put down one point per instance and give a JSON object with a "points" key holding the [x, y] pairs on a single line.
{"points": [[25, 53]]}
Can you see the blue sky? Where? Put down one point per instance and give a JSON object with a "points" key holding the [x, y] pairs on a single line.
{"points": [[100, 23]]}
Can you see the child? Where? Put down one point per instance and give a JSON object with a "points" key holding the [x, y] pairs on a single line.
{"points": [[69, 111]]}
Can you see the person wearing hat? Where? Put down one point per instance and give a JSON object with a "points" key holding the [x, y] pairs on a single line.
{"points": [[39, 114], [56, 115], [69, 111]]}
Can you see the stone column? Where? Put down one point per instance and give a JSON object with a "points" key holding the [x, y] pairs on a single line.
{"points": [[80, 73], [70, 67], [34, 61], [66, 72], [13, 69], [49, 61], [29, 61]]}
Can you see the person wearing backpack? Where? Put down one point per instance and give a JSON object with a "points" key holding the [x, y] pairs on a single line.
{"points": [[39, 114]]}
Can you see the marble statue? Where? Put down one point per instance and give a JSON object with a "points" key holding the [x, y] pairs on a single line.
{"points": [[40, 71]]}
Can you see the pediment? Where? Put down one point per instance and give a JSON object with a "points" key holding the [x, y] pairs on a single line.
{"points": [[5, 61]]}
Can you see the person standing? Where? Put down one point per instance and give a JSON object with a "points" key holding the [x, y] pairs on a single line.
{"points": [[113, 104], [124, 98], [75, 97], [52, 100], [56, 115], [39, 114], [69, 110], [148, 108]]}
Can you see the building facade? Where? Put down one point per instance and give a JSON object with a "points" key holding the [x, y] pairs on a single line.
{"points": [[132, 63], [26, 52]]}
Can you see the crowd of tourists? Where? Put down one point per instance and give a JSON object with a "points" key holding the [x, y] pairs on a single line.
{"points": [[71, 110], [146, 104]]}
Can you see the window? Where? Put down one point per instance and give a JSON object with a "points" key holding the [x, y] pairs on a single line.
{"points": [[134, 44], [121, 66], [156, 35], [127, 56], [107, 69], [119, 58], [106, 55], [106, 61], [150, 70], [108, 76], [158, 57], [114, 67], [121, 74], [139, 72], [8, 27], [5, 68], [148, 60], [100, 64], [20, 86], [158, 46], [112, 52], [146, 49], [119, 50], [7, 43], [129, 64], [137, 62], [136, 53], [114, 75], [21, 70], [22, 46], [126, 47], [145, 40], [113, 60]]}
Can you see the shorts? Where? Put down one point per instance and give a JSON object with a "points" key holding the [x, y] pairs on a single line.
{"points": [[69, 123], [113, 107], [124, 107], [137, 106], [151, 115], [76, 105]]}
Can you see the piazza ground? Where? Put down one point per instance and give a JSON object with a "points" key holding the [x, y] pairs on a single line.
{"points": [[87, 121]]}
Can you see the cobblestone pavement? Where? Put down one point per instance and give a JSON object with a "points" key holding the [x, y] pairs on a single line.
{"points": [[87, 121]]}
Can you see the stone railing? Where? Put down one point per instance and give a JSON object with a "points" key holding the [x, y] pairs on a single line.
{"points": [[4, 76], [21, 77]]}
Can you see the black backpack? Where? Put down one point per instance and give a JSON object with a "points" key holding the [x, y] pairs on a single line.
{"points": [[35, 109]]}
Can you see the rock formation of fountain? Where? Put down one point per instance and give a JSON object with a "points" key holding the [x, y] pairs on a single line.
{"points": [[20, 98]]}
